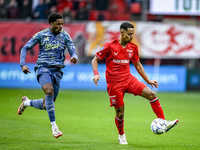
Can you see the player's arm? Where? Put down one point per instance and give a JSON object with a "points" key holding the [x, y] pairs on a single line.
{"points": [[94, 62], [140, 70], [71, 48], [103, 53], [30, 44]]}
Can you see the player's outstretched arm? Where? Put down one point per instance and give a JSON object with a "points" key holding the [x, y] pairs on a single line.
{"points": [[140, 70], [96, 78]]}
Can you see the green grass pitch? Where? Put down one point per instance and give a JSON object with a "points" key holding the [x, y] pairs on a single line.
{"points": [[87, 122]]}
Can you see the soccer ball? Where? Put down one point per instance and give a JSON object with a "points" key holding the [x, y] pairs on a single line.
{"points": [[158, 126]]}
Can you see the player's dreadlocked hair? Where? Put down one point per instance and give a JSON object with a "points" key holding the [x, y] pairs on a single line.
{"points": [[126, 25], [53, 16]]}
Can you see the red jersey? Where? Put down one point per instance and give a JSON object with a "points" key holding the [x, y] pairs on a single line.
{"points": [[117, 60]]}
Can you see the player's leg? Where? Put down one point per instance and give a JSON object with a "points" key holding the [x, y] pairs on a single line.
{"points": [[119, 119], [136, 87], [116, 100], [50, 107], [119, 122], [39, 103], [22, 106], [46, 81], [56, 132], [42, 78], [155, 104]]}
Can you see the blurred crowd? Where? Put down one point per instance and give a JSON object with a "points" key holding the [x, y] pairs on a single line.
{"points": [[70, 9]]}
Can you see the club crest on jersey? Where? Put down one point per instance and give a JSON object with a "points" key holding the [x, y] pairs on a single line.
{"points": [[113, 100], [129, 53]]}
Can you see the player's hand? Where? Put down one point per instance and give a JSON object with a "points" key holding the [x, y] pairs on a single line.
{"points": [[96, 79], [73, 60], [25, 69], [153, 83]]}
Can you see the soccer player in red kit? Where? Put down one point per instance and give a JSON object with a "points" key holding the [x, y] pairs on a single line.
{"points": [[118, 54]]}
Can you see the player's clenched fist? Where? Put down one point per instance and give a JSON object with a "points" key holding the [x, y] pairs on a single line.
{"points": [[73, 60]]}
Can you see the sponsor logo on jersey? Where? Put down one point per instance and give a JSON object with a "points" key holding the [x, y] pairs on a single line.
{"points": [[129, 50], [52, 46], [120, 61]]}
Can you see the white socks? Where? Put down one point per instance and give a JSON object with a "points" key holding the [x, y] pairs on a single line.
{"points": [[53, 124], [27, 103]]}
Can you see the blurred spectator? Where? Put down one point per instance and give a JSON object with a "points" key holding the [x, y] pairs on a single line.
{"points": [[41, 11], [101, 4], [128, 3], [118, 6], [113, 7], [82, 13], [50, 3], [76, 5], [25, 9], [52, 6], [13, 10], [52, 9], [34, 4], [3, 10], [67, 15]]}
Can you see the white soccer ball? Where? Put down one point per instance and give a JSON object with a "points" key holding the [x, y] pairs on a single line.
{"points": [[158, 126]]}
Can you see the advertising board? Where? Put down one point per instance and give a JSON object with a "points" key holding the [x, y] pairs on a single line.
{"points": [[80, 77], [175, 7]]}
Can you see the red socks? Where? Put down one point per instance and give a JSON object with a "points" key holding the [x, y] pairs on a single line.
{"points": [[120, 125], [155, 104]]}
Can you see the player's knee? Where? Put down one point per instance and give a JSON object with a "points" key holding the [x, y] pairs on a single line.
{"points": [[151, 95], [48, 91], [120, 114]]}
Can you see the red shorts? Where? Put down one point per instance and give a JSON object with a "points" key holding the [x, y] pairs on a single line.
{"points": [[116, 92]]}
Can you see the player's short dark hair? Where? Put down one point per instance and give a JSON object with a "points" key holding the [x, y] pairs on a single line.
{"points": [[53, 16], [126, 25]]}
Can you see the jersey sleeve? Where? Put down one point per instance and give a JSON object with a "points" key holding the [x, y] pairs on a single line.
{"points": [[103, 52], [30, 44], [70, 45], [135, 57]]}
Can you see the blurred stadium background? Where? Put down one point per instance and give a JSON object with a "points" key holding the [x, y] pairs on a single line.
{"points": [[167, 33]]}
